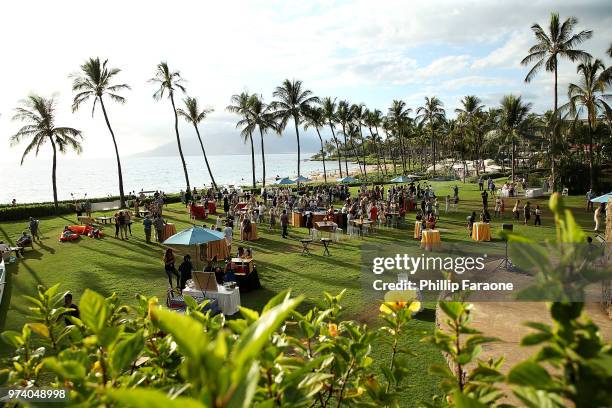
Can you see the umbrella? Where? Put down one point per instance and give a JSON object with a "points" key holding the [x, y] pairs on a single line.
{"points": [[285, 181], [347, 179], [402, 179], [602, 199], [302, 179], [193, 236]]}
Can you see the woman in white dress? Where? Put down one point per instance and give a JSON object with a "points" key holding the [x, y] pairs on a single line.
{"points": [[598, 216]]}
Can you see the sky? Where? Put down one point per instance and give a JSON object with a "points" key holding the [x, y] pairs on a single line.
{"points": [[363, 51]]}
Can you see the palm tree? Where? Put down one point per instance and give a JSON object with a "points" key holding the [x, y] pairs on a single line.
{"points": [[374, 120], [398, 116], [194, 115], [343, 114], [262, 116], [169, 82], [241, 104], [38, 114], [292, 103], [558, 42], [471, 107], [514, 121], [329, 114], [589, 95], [315, 117], [431, 113], [95, 81], [358, 113]]}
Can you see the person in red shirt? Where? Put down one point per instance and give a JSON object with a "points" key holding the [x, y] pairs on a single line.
{"points": [[374, 212]]}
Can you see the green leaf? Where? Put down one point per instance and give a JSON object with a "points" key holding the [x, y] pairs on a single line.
{"points": [[245, 391], [452, 309], [94, 310], [276, 300], [256, 336], [141, 398], [535, 338], [126, 351], [71, 370], [186, 331], [538, 398], [4, 376], [40, 329], [564, 312], [531, 374], [463, 401], [12, 338]]}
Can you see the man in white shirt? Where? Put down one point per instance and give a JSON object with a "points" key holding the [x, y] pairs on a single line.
{"points": [[229, 235]]}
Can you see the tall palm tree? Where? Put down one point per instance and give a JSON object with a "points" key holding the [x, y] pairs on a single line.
{"points": [[514, 122], [170, 81], [343, 114], [374, 120], [398, 116], [241, 104], [358, 113], [388, 127], [558, 42], [329, 114], [194, 115], [431, 113], [315, 118], [262, 116], [38, 114], [589, 95], [95, 81], [292, 102], [471, 107]]}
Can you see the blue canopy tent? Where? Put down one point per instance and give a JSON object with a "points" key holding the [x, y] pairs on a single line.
{"points": [[402, 179], [285, 181], [194, 236], [347, 179], [603, 198], [302, 179]]}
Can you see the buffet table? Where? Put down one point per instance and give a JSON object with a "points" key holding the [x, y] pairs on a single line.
{"points": [[430, 239], [228, 299], [246, 274], [168, 231], [217, 249], [253, 235], [198, 212]]}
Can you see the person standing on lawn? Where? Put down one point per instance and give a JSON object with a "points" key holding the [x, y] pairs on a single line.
{"points": [[33, 226], [74, 312], [589, 197], [185, 271], [159, 224], [148, 224], [284, 221], [169, 267]]}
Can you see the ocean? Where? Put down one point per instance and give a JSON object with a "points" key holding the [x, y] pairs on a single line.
{"points": [[98, 177]]}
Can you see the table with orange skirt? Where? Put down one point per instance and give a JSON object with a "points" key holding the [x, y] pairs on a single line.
{"points": [[217, 249], [417, 230], [297, 219], [481, 231], [430, 239], [252, 236], [168, 231]]}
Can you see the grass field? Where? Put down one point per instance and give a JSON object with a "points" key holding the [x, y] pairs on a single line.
{"points": [[130, 267]]}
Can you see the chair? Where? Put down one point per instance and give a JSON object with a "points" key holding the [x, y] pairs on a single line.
{"points": [[565, 191], [337, 234]]}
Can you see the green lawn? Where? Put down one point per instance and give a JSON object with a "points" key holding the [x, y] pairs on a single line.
{"points": [[130, 267]]}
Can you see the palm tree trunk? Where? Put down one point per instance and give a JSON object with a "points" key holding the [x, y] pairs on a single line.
{"points": [[53, 177], [513, 153], [363, 150], [433, 148], [553, 140], [110, 129], [591, 176], [345, 148], [178, 141], [205, 158], [337, 148], [252, 158], [322, 155], [263, 157], [402, 153], [297, 134]]}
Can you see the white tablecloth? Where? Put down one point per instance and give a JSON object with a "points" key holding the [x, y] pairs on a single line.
{"points": [[229, 300], [534, 192]]}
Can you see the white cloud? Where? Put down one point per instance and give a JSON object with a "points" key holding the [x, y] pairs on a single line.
{"points": [[509, 54]]}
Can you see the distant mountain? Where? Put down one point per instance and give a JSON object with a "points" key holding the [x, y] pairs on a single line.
{"points": [[222, 143]]}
